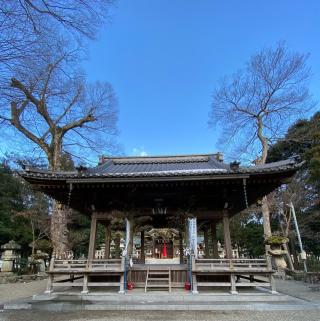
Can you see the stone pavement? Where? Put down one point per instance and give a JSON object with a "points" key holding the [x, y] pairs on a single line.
{"points": [[9, 292], [160, 316]]}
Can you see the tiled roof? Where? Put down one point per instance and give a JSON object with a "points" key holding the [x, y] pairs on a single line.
{"points": [[149, 165], [163, 166]]}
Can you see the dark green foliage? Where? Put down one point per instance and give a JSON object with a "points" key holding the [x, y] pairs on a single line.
{"points": [[253, 239], [79, 233], [11, 202], [302, 139], [18, 205], [309, 223], [247, 233]]}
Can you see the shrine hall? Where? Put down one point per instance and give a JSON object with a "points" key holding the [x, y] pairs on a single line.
{"points": [[166, 201]]}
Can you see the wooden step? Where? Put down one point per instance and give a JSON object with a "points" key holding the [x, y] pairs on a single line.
{"points": [[158, 279]]}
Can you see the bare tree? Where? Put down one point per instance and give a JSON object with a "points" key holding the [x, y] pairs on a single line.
{"points": [[24, 23], [43, 95], [49, 102], [256, 105]]}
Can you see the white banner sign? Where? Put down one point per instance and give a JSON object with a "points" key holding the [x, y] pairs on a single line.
{"points": [[192, 222]]}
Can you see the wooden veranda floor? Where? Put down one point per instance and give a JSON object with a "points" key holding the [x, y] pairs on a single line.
{"points": [[231, 274]]}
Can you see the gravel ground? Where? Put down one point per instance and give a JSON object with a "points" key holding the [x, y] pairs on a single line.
{"points": [[298, 289], [15, 291], [159, 316]]}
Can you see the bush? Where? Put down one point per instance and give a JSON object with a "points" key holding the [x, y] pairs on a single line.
{"points": [[276, 240]]}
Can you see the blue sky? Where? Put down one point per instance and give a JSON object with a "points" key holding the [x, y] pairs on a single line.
{"points": [[164, 59]]}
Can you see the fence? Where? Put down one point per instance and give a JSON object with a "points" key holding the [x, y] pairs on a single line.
{"points": [[313, 264]]}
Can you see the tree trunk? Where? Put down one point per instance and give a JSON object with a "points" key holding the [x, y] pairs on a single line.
{"points": [[293, 251], [33, 238], [59, 229], [264, 205], [266, 217], [60, 212], [289, 259]]}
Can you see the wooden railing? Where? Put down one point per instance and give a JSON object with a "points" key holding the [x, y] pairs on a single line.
{"points": [[58, 265], [104, 264], [78, 266], [250, 270], [230, 264], [82, 270]]}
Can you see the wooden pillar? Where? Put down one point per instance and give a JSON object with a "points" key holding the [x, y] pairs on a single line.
{"points": [[122, 285], [93, 233], [142, 246], [180, 246], [132, 228], [206, 243], [272, 281], [227, 237], [215, 253], [107, 240], [117, 246], [233, 284], [85, 284], [51, 276], [49, 284]]}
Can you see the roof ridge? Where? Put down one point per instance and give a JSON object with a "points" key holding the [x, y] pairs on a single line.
{"points": [[161, 156]]}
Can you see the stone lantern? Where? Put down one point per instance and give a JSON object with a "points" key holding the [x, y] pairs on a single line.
{"points": [[10, 252]]}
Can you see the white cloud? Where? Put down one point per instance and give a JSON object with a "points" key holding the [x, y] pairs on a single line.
{"points": [[139, 151]]}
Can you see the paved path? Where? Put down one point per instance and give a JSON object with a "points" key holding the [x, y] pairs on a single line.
{"points": [[160, 316], [9, 292], [16, 291]]}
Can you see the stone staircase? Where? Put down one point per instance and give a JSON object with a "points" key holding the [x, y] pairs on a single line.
{"points": [[158, 278]]}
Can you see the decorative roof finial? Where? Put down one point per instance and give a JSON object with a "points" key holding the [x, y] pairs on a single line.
{"points": [[234, 166], [219, 157]]}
